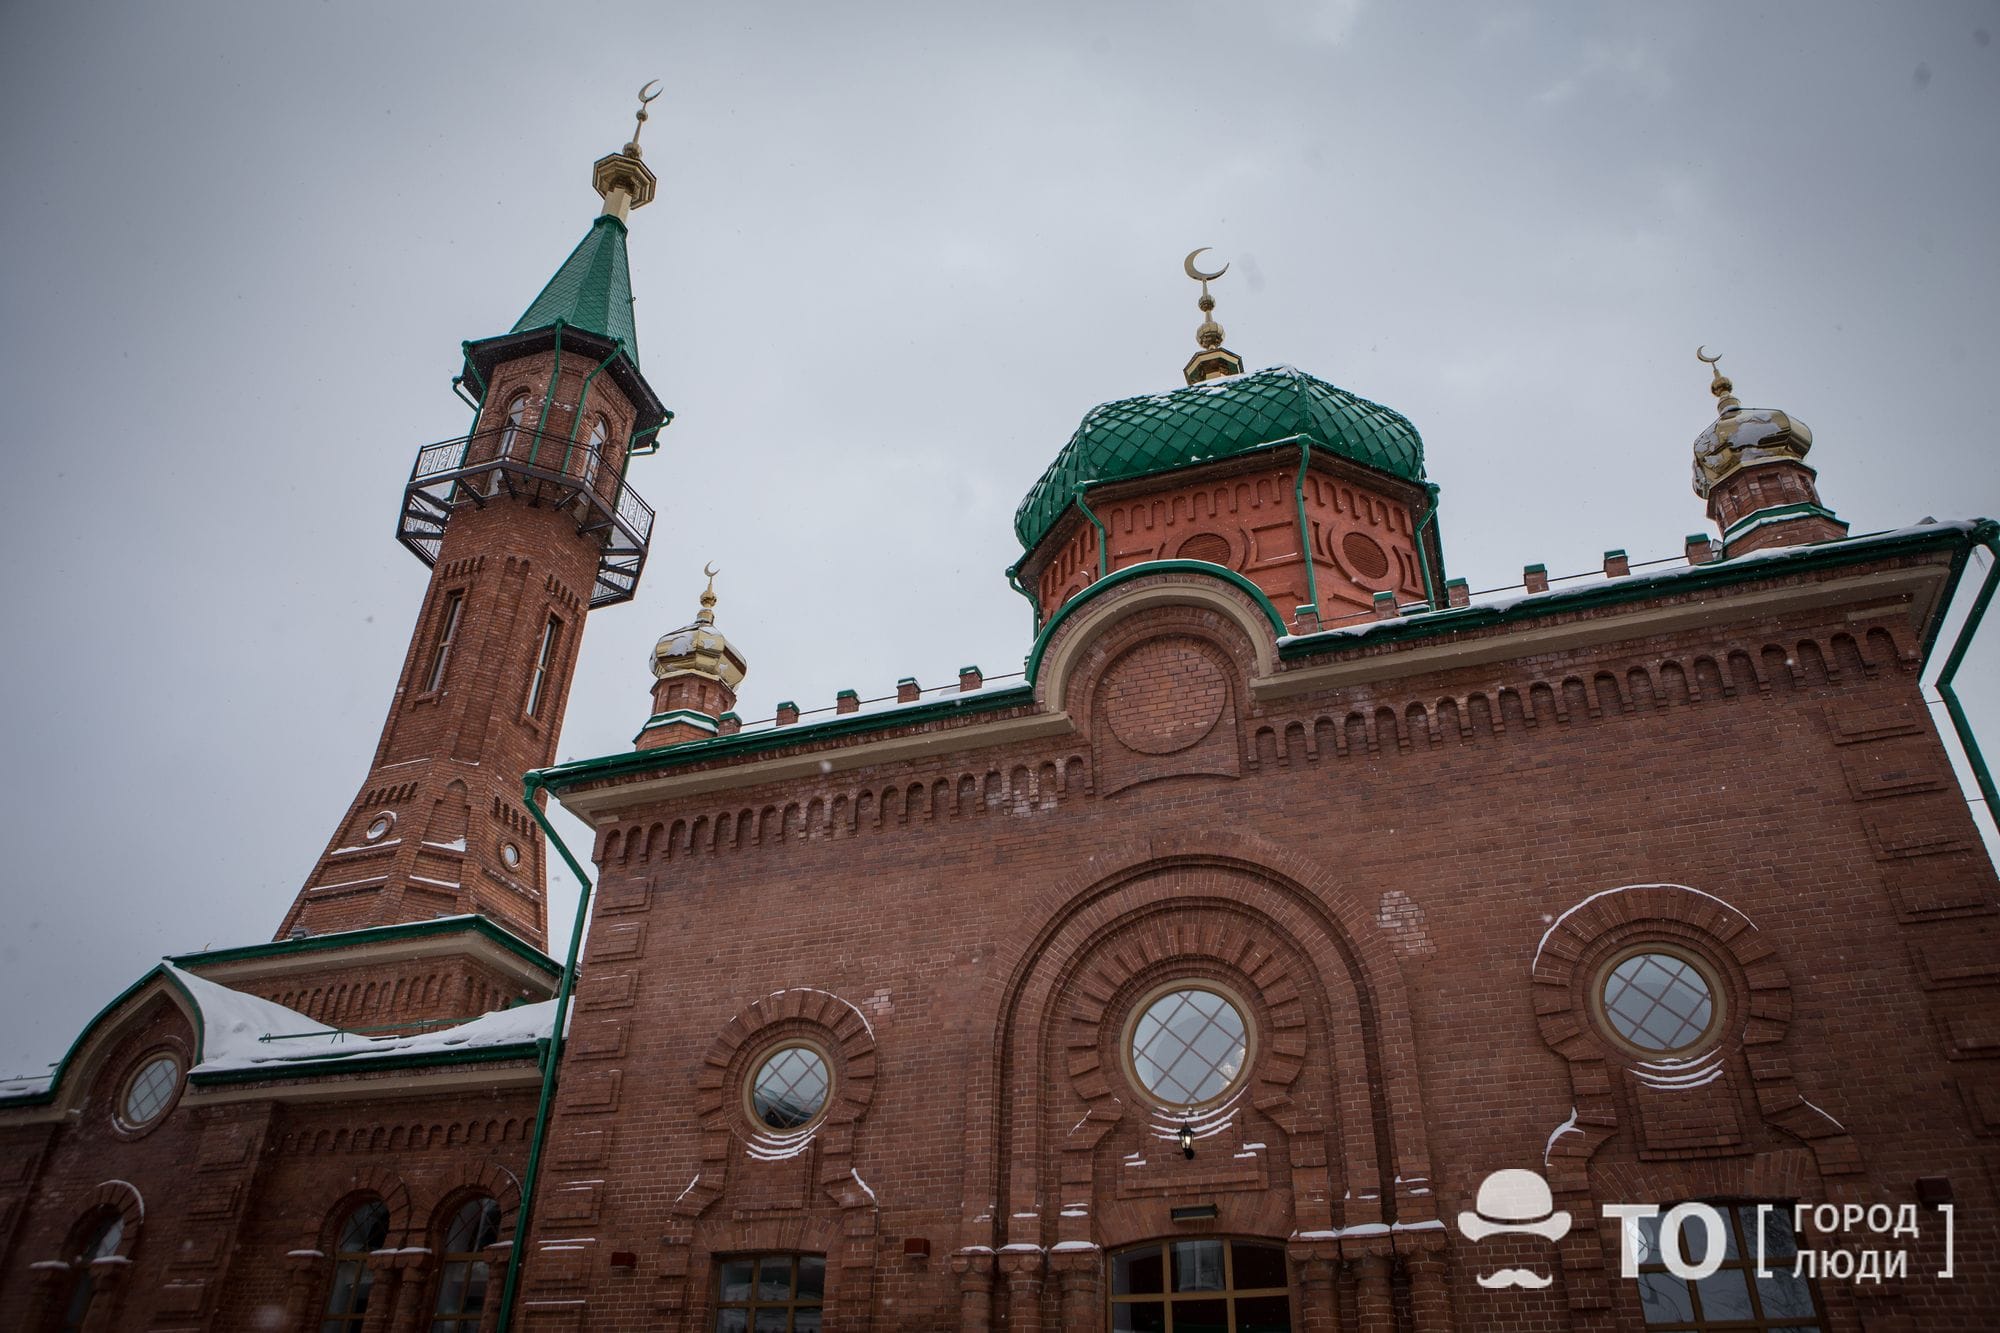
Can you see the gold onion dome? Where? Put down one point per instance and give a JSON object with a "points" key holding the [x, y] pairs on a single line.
{"points": [[699, 647], [1740, 436]]}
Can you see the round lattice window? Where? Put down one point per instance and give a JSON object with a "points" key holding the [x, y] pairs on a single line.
{"points": [[1188, 1046], [1657, 1002], [790, 1088], [149, 1091]]}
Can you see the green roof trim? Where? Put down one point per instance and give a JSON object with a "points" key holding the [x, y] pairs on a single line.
{"points": [[347, 939], [592, 290], [559, 776], [48, 1094], [1960, 537], [322, 1066], [1638, 587], [1137, 437]]}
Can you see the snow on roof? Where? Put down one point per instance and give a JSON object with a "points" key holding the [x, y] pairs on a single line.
{"points": [[237, 1028]]}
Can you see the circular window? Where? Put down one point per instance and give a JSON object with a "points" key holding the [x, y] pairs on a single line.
{"points": [[1189, 1046], [379, 829], [510, 854], [790, 1088], [1660, 1003], [147, 1095]]}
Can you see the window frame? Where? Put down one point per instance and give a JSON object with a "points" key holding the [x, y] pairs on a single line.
{"points": [[1710, 974], [543, 667], [791, 1305], [146, 1061], [1745, 1262], [1129, 1031], [451, 619], [794, 1041], [1166, 1297], [466, 1318], [330, 1320]]}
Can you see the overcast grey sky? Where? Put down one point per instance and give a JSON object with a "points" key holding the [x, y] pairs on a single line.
{"points": [[898, 251]]}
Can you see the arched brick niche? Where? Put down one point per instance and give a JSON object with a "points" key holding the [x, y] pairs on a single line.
{"points": [[1108, 621], [1686, 1109], [840, 1218], [1242, 912]]}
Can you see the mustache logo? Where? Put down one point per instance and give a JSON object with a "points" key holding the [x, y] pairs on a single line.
{"points": [[1513, 1277]]}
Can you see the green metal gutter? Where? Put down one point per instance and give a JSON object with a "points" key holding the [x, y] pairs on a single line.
{"points": [[1988, 536], [1423, 554], [532, 784], [1103, 545], [583, 398], [1305, 533], [548, 399], [1034, 607]]}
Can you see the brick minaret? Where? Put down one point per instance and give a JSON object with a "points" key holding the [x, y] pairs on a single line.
{"points": [[1749, 464], [527, 524], [695, 674]]}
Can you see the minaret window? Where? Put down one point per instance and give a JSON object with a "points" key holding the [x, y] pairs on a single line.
{"points": [[594, 455], [511, 432], [544, 664], [454, 604]]}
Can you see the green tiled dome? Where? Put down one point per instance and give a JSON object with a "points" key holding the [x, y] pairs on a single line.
{"points": [[1135, 437]]}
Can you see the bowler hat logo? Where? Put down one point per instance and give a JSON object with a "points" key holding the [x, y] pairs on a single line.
{"points": [[1513, 1201]]}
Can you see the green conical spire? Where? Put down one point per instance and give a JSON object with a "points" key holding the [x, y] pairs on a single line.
{"points": [[592, 290]]}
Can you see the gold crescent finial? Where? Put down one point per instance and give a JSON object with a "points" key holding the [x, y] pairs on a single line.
{"points": [[647, 93], [707, 615], [1197, 274], [1719, 384]]}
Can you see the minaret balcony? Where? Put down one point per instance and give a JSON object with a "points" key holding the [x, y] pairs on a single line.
{"points": [[509, 465]]}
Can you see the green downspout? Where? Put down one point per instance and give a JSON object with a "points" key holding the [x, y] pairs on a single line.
{"points": [[1423, 555], [1103, 557], [551, 1052], [1014, 582], [1989, 537], [1305, 533], [583, 401], [478, 407], [555, 378]]}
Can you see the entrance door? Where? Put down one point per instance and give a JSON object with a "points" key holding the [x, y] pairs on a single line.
{"points": [[1205, 1285]]}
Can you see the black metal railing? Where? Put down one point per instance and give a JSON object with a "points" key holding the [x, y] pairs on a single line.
{"points": [[546, 467]]}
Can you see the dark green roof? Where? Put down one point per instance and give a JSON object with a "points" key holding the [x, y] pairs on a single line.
{"points": [[592, 290], [1135, 437]]}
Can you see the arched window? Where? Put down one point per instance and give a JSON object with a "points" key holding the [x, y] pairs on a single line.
{"points": [[594, 455], [510, 433], [362, 1232], [462, 1276], [99, 1240], [1201, 1283]]}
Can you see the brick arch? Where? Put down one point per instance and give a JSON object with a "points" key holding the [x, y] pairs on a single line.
{"points": [[488, 1180], [1574, 945], [1225, 610], [840, 1026], [111, 1196], [369, 1182], [1317, 916]]}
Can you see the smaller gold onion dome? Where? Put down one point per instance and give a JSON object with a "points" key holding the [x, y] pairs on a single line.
{"points": [[700, 648], [1741, 437]]}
